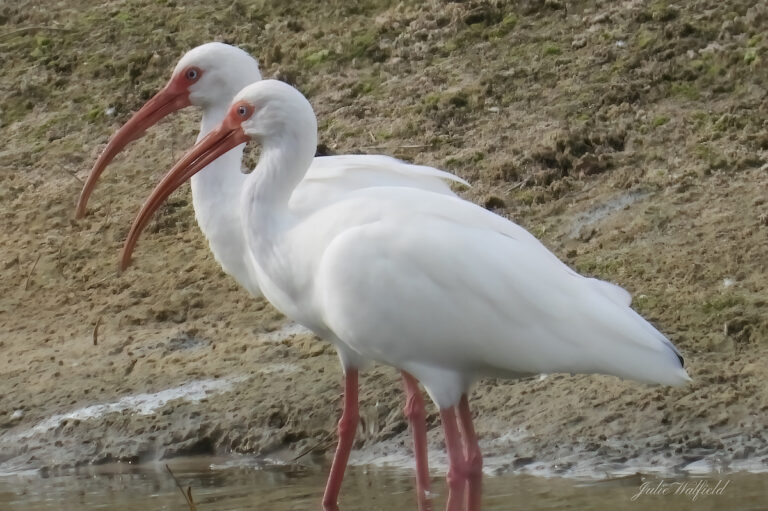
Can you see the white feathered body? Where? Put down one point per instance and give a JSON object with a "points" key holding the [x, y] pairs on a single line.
{"points": [[448, 291]]}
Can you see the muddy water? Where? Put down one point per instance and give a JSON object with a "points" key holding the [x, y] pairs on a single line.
{"points": [[221, 484]]}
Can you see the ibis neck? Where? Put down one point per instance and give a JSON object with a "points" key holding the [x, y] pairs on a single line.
{"points": [[267, 217], [215, 187], [283, 163], [216, 196]]}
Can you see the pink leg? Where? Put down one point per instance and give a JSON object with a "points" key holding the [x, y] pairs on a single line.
{"points": [[473, 457], [347, 428], [416, 415], [456, 478]]}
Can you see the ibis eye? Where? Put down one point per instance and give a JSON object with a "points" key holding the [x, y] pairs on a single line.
{"points": [[242, 111], [192, 74]]}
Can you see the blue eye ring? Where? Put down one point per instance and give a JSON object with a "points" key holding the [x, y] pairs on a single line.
{"points": [[192, 74], [243, 110]]}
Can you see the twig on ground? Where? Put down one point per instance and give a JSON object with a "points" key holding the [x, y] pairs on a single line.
{"points": [[96, 332], [72, 173], [107, 217], [186, 494], [520, 184], [313, 447], [31, 270]]}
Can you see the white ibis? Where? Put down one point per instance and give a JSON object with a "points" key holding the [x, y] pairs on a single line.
{"points": [[209, 76], [428, 283]]}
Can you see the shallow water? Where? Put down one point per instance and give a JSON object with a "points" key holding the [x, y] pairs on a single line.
{"points": [[226, 484]]}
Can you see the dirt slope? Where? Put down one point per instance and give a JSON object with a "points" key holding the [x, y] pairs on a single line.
{"points": [[631, 137]]}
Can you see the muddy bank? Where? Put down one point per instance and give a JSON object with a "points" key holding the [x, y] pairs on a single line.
{"points": [[629, 137]]}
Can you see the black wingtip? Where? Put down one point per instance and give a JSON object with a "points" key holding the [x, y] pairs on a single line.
{"points": [[681, 359]]}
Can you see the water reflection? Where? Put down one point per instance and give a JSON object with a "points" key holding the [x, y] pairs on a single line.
{"points": [[228, 485]]}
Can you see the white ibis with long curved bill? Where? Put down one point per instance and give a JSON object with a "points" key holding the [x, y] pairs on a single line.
{"points": [[428, 283], [208, 77]]}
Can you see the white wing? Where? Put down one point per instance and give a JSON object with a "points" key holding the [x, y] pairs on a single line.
{"points": [[330, 177], [378, 169]]}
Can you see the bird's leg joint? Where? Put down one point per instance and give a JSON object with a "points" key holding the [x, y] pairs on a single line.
{"points": [[348, 422], [414, 407]]}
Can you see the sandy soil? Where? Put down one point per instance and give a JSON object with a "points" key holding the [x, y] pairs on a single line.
{"points": [[631, 137]]}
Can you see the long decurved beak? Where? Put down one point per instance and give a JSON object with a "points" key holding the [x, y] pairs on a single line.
{"points": [[167, 101], [228, 135]]}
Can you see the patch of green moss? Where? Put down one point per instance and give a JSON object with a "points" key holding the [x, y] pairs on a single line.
{"points": [[490, 27], [685, 90], [430, 101], [318, 57], [531, 196], [123, 17], [661, 11], [507, 24], [722, 302], [644, 38], [470, 35], [600, 265], [713, 159], [362, 88], [750, 55], [364, 45], [95, 114], [645, 303], [447, 100]]}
